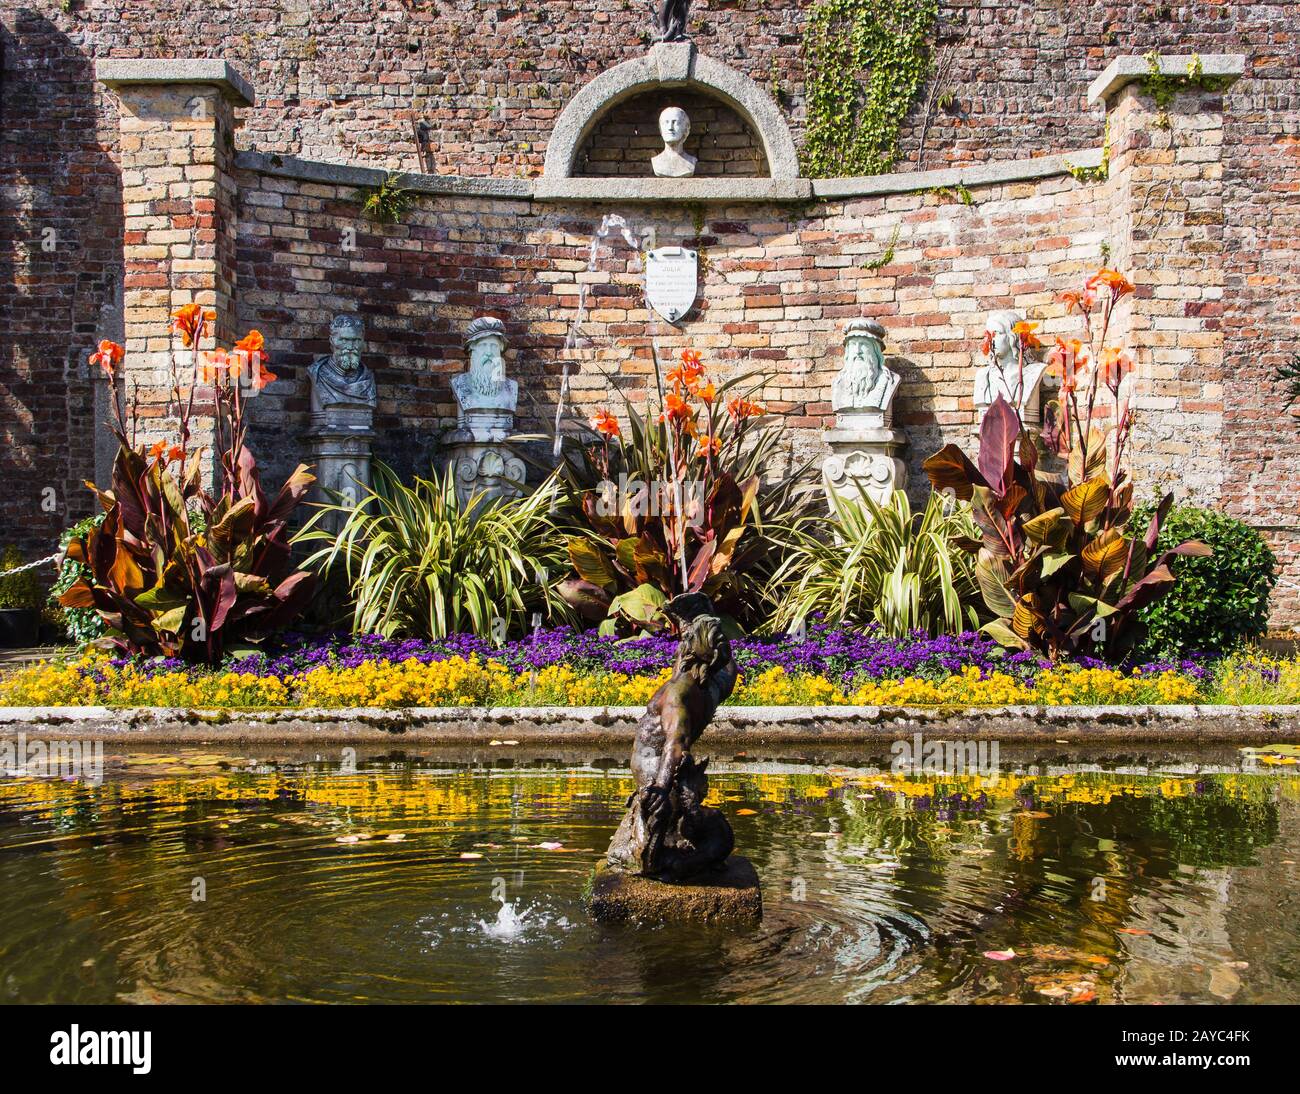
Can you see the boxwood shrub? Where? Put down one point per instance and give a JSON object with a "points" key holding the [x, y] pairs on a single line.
{"points": [[1218, 602]]}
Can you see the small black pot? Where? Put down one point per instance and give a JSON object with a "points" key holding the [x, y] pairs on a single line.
{"points": [[19, 627]]}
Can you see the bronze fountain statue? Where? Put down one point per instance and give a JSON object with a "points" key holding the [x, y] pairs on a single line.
{"points": [[671, 856], [670, 23]]}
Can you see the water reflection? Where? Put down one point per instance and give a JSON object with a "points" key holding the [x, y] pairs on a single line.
{"points": [[209, 876]]}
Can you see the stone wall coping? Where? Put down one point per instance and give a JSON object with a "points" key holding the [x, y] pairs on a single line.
{"points": [[347, 174], [646, 189], [621, 188], [124, 71], [1124, 70], [977, 174], [1175, 723]]}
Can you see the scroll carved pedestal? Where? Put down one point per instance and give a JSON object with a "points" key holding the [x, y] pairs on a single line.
{"points": [[866, 457]]}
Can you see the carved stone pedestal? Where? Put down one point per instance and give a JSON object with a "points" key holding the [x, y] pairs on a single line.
{"points": [[864, 456], [727, 896], [341, 454], [483, 467]]}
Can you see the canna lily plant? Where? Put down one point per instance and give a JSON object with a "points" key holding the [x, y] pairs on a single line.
{"points": [[173, 569], [1055, 562], [678, 505]]}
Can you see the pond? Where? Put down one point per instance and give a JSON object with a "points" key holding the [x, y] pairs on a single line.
{"points": [[459, 877]]}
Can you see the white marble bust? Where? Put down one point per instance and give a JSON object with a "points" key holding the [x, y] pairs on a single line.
{"points": [[342, 388], [1001, 375], [865, 386], [485, 396], [674, 162]]}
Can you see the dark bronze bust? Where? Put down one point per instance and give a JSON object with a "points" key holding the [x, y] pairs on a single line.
{"points": [[668, 832], [670, 23]]}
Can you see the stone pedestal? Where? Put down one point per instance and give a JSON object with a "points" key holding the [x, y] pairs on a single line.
{"points": [[341, 457], [730, 896], [866, 456], [483, 467]]}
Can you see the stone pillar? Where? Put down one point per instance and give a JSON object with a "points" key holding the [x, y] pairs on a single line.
{"points": [[176, 143], [1165, 137]]}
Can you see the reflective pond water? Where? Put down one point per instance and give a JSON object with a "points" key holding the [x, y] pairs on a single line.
{"points": [[196, 876]]}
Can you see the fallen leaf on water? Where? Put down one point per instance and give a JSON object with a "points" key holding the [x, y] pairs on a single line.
{"points": [[493, 744], [1224, 983], [746, 812], [1000, 955], [549, 845], [1085, 996], [395, 837], [1036, 814], [1131, 930], [347, 839], [470, 854]]}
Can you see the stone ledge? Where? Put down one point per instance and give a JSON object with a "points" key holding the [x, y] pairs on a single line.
{"points": [[122, 72], [346, 174], [681, 190], [1124, 70], [647, 189], [616, 725], [979, 174]]}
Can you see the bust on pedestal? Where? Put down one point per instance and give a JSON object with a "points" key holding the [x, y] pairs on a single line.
{"points": [[864, 447], [486, 400], [343, 399], [1001, 373]]}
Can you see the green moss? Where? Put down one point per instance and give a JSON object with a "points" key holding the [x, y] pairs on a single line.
{"points": [[866, 61]]}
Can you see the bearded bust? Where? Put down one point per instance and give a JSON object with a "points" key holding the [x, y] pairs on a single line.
{"points": [[341, 386]]}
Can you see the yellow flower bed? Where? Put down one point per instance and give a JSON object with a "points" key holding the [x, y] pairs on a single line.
{"points": [[458, 681]]}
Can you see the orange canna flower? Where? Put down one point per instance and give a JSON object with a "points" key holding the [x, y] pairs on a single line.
{"points": [[216, 362], [189, 321], [605, 423], [157, 449], [740, 409], [1082, 301], [1025, 332], [252, 343], [691, 359], [707, 393], [710, 445], [108, 357], [1115, 365], [263, 375], [176, 452], [675, 408], [986, 347], [1118, 284]]}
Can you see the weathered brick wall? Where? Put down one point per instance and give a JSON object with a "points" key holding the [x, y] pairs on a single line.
{"points": [[624, 141], [776, 288], [478, 86]]}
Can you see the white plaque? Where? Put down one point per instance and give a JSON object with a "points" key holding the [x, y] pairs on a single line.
{"points": [[671, 280]]}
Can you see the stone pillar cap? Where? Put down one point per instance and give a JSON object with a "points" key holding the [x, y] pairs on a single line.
{"points": [[1125, 70], [124, 71]]}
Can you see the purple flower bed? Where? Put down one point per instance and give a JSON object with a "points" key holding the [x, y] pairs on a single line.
{"points": [[837, 653]]}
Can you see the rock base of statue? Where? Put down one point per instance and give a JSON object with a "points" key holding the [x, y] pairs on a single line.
{"points": [[726, 895], [866, 455]]}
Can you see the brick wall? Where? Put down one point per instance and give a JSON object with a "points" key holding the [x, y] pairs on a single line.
{"points": [[478, 86]]}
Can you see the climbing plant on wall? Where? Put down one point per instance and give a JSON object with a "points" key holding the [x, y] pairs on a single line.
{"points": [[865, 61]]}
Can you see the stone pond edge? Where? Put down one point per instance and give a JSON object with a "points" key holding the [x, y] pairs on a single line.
{"points": [[595, 725]]}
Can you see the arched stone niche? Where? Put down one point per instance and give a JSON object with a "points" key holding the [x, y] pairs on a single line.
{"points": [[626, 136], [669, 66]]}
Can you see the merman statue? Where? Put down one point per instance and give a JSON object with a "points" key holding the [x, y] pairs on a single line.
{"points": [[667, 832]]}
